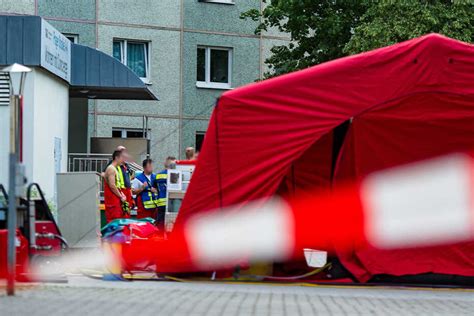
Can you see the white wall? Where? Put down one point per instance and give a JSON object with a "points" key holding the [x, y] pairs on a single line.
{"points": [[4, 143], [51, 106], [28, 127], [46, 105], [28, 97]]}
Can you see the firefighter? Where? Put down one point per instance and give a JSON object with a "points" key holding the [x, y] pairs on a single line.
{"points": [[114, 199], [162, 179], [125, 175], [145, 188]]}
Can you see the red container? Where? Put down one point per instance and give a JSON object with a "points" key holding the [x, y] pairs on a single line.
{"points": [[22, 256], [46, 246]]}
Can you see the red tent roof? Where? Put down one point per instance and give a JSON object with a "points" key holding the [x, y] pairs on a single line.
{"points": [[406, 102]]}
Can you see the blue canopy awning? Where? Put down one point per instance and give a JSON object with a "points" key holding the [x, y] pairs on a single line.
{"points": [[94, 74]]}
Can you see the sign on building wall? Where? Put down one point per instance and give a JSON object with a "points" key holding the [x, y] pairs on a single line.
{"points": [[55, 51]]}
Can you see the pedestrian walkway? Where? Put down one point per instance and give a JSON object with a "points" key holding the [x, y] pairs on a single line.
{"points": [[84, 296]]}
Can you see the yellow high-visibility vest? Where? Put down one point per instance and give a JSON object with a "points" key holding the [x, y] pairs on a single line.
{"points": [[119, 181]]}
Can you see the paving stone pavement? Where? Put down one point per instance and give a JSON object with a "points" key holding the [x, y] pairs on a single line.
{"points": [[84, 296]]}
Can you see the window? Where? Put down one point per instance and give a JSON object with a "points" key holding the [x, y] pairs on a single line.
{"points": [[135, 55], [74, 38], [214, 67], [128, 133], [199, 140]]}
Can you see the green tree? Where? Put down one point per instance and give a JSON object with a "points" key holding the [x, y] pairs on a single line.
{"points": [[318, 30], [325, 30], [390, 22]]}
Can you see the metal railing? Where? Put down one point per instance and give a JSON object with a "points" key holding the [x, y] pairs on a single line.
{"points": [[78, 162]]}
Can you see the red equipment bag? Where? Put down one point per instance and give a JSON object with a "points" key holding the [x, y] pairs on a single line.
{"points": [[128, 233]]}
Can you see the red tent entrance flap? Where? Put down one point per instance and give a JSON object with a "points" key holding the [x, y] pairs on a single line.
{"points": [[406, 130]]}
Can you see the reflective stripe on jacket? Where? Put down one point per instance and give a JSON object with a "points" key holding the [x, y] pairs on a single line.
{"points": [[162, 180], [161, 202]]}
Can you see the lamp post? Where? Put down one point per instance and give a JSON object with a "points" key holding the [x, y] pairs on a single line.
{"points": [[17, 75]]}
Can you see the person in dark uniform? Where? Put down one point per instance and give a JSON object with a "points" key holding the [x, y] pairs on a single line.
{"points": [[162, 180], [144, 187]]}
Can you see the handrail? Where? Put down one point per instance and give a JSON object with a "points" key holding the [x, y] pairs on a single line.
{"points": [[49, 215], [3, 191], [90, 154], [79, 162], [87, 162]]}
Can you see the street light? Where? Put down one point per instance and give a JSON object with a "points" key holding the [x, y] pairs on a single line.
{"points": [[17, 75]]}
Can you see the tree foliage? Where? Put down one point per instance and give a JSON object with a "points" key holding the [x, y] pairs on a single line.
{"points": [[325, 30], [318, 30], [388, 23]]}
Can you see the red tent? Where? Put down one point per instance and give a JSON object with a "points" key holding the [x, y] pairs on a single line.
{"points": [[340, 121]]}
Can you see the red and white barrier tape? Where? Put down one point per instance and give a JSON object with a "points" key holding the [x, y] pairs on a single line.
{"points": [[422, 204]]}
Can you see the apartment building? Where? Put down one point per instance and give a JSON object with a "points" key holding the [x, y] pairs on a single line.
{"points": [[188, 52]]}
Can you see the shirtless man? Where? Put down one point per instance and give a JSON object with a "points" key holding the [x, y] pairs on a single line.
{"points": [[113, 197]]}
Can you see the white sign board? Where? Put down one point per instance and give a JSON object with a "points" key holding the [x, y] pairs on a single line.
{"points": [[175, 181], [187, 173], [55, 51]]}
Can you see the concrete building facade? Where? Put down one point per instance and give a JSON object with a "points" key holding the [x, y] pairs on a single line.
{"points": [[61, 80], [187, 51]]}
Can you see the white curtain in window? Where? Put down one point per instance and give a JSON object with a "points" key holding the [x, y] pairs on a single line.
{"points": [[136, 58], [117, 51]]}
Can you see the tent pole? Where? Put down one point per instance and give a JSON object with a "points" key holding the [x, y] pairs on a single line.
{"points": [[219, 174]]}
